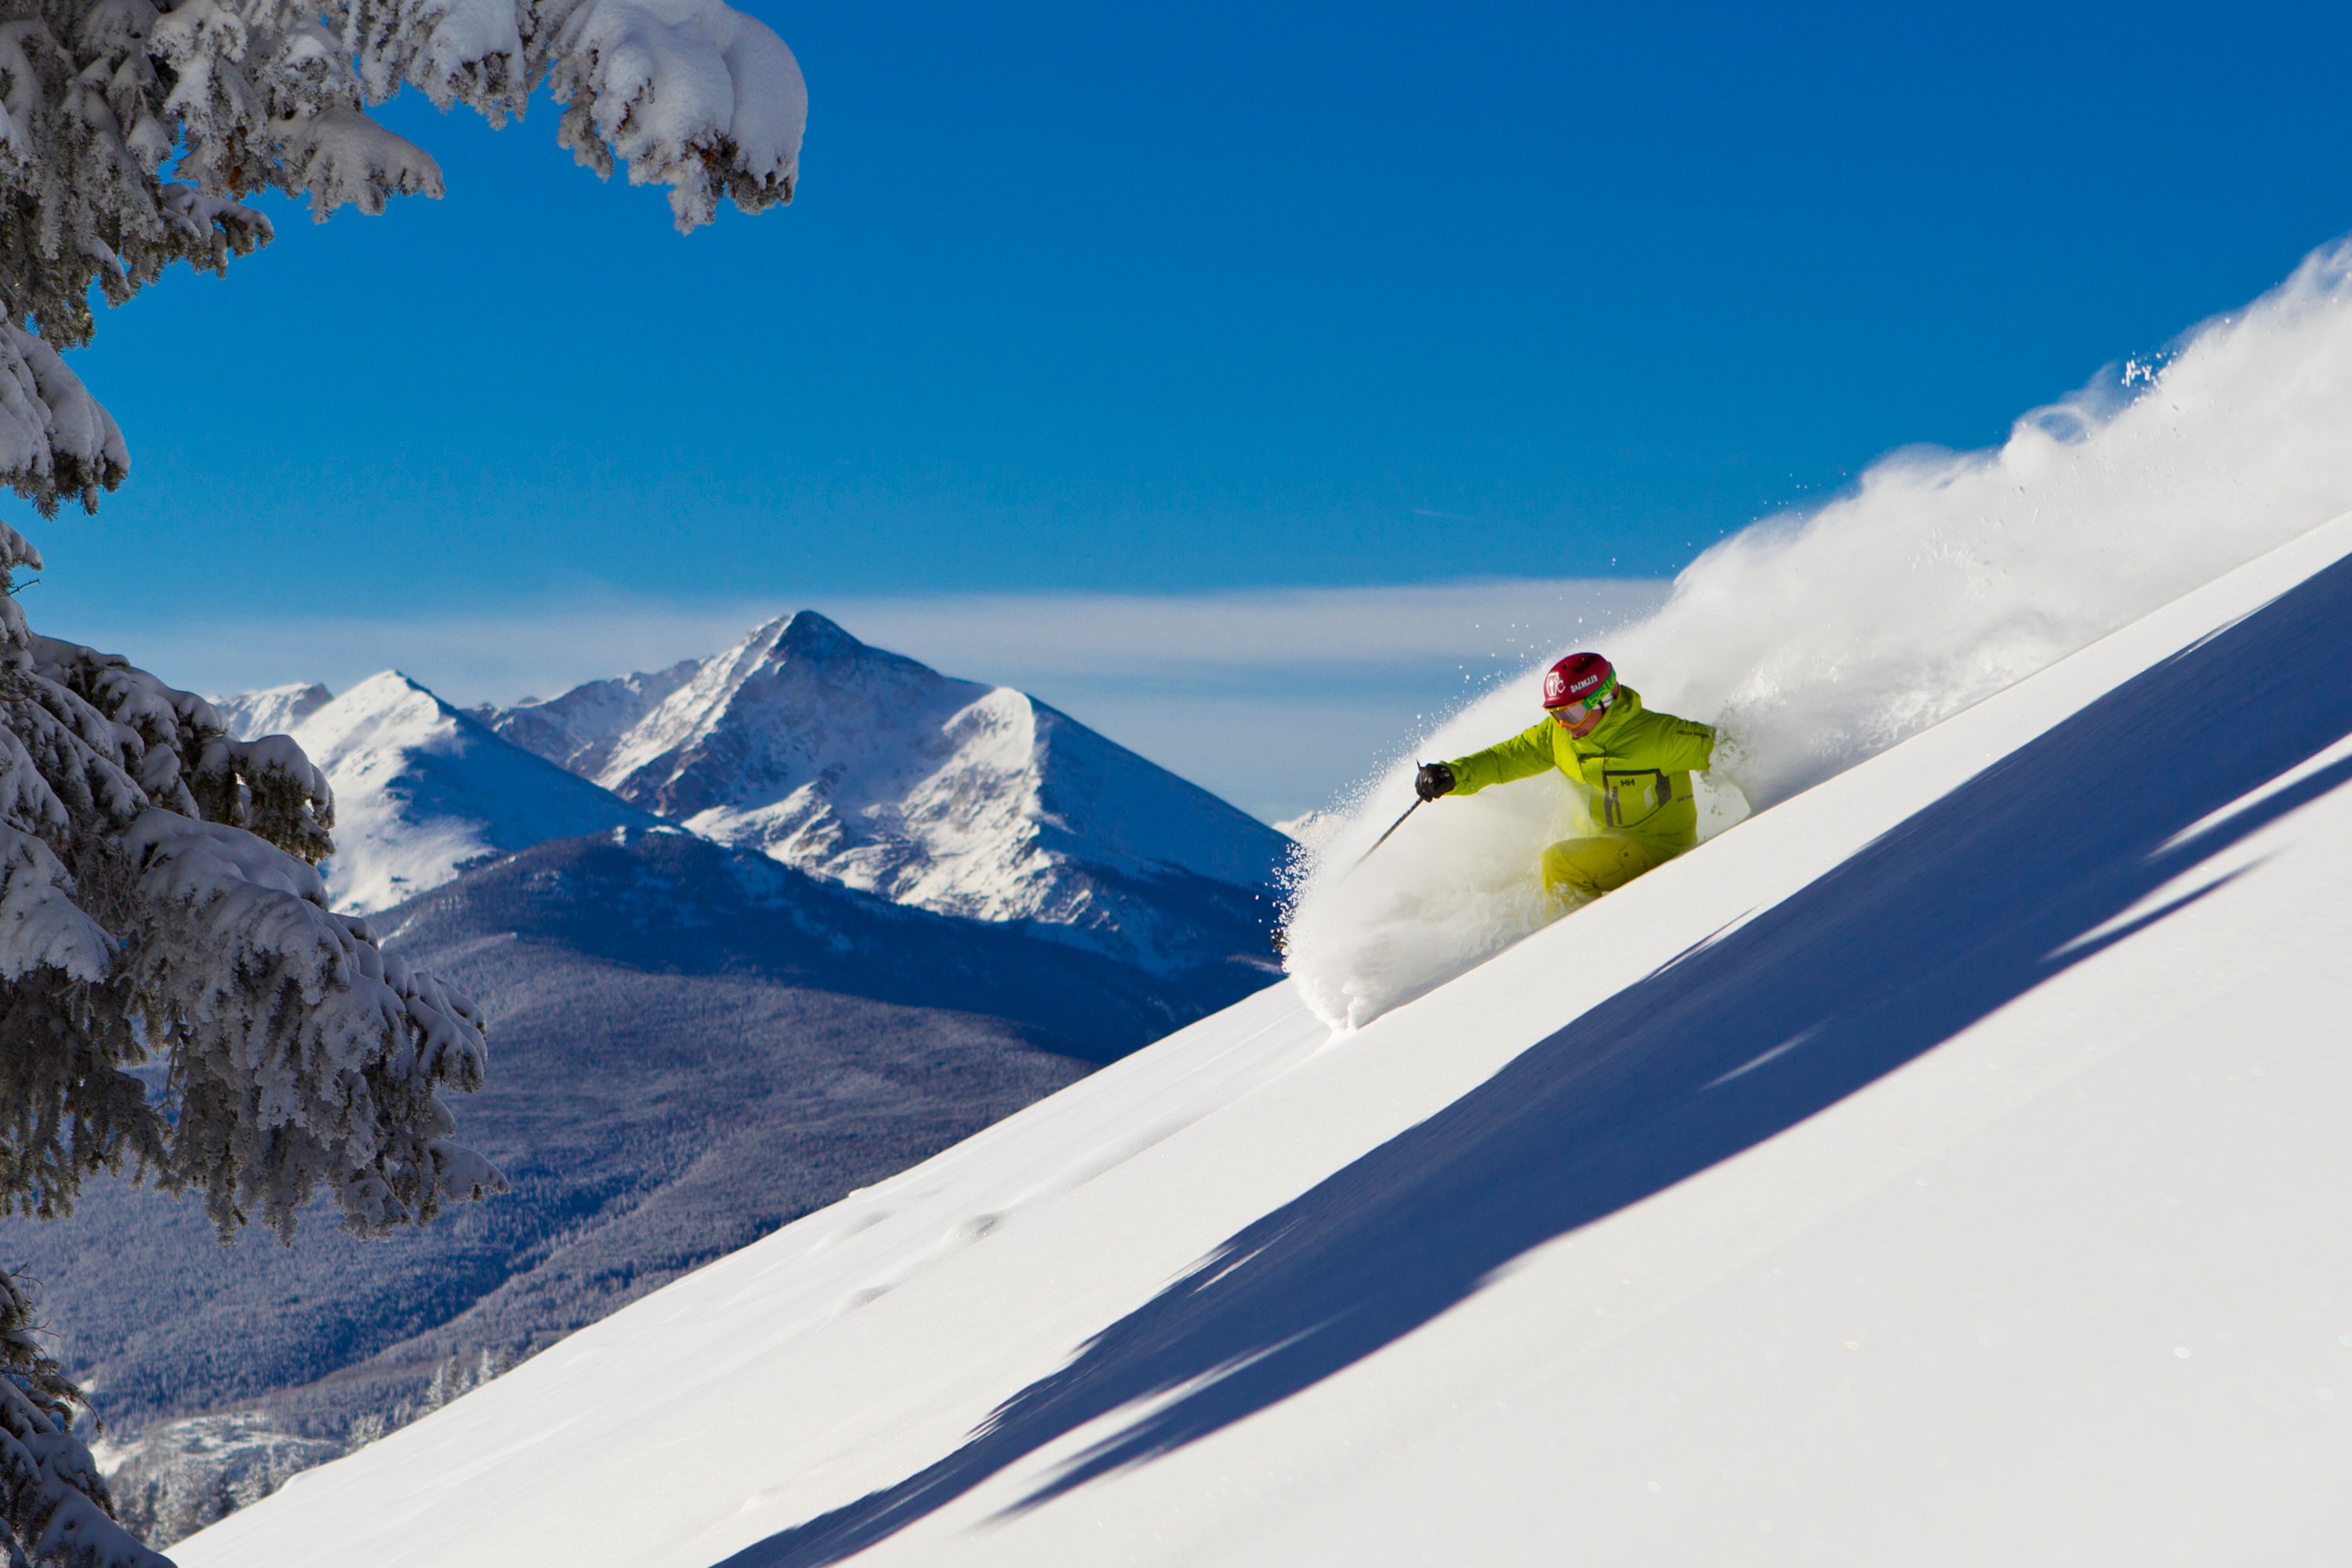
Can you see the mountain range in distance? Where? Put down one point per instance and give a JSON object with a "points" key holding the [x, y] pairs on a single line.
{"points": [[856, 765]]}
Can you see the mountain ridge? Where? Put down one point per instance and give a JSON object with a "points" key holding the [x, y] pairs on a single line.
{"points": [[875, 771], [849, 761], [577, 729], [424, 791]]}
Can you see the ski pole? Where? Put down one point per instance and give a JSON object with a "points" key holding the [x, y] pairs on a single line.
{"points": [[1383, 838]]}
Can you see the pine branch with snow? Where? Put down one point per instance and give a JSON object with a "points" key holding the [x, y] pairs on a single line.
{"points": [[53, 1504], [100, 97], [160, 904], [158, 899]]}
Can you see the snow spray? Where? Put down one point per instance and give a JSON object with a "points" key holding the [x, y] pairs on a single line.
{"points": [[1817, 638]]}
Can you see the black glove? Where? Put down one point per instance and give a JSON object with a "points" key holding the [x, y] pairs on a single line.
{"points": [[1433, 780]]}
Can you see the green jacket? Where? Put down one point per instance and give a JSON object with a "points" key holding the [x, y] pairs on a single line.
{"points": [[1634, 768]]}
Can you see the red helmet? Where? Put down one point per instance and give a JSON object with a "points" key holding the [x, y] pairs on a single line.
{"points": [[1580, 677]]}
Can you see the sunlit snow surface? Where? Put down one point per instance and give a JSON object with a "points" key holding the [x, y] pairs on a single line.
{"points": [[1945, 1167], [1942, 578]]}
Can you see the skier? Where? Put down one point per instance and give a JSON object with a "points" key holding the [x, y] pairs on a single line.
{"points": [[1634, 766]]}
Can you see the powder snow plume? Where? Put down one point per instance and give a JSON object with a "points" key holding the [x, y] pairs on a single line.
{"points": [[1817, 639]]}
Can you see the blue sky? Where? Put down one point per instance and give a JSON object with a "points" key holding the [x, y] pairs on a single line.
{"points": [[1192, 301]]}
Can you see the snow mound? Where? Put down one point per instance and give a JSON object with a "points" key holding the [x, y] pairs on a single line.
{"points": [[1819, 639], [423, 792]]}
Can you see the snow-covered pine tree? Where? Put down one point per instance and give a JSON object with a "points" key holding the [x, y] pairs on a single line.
{"points": [[159, 905], [53, 1506], [98, 96]]}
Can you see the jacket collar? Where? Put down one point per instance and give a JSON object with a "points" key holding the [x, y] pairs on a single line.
{"points": [[1628, 703]]}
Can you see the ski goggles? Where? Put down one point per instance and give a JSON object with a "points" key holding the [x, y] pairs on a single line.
{"points": [[1574, 714]]}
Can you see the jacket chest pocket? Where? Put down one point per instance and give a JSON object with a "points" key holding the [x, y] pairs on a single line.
{"points": [[1629, 797]]}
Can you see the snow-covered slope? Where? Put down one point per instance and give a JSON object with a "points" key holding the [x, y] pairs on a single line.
{"points": [[694, 1044], [273, 710], [1945, 1166], [423, 792], [866, 768]]}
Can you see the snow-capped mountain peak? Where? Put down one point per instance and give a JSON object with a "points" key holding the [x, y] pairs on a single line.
{"points": [[273, 710], [867, 768], [796, 700], [423, 792]]}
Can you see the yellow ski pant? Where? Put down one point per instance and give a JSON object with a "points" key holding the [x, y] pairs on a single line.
{"points": [[1580, 869]]}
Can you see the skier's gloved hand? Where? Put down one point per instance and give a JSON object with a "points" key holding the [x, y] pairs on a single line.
{"points": [[1433, 780]]}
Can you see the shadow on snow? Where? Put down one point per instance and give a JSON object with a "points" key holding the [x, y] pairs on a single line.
{"points": [[2007, 880]]}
